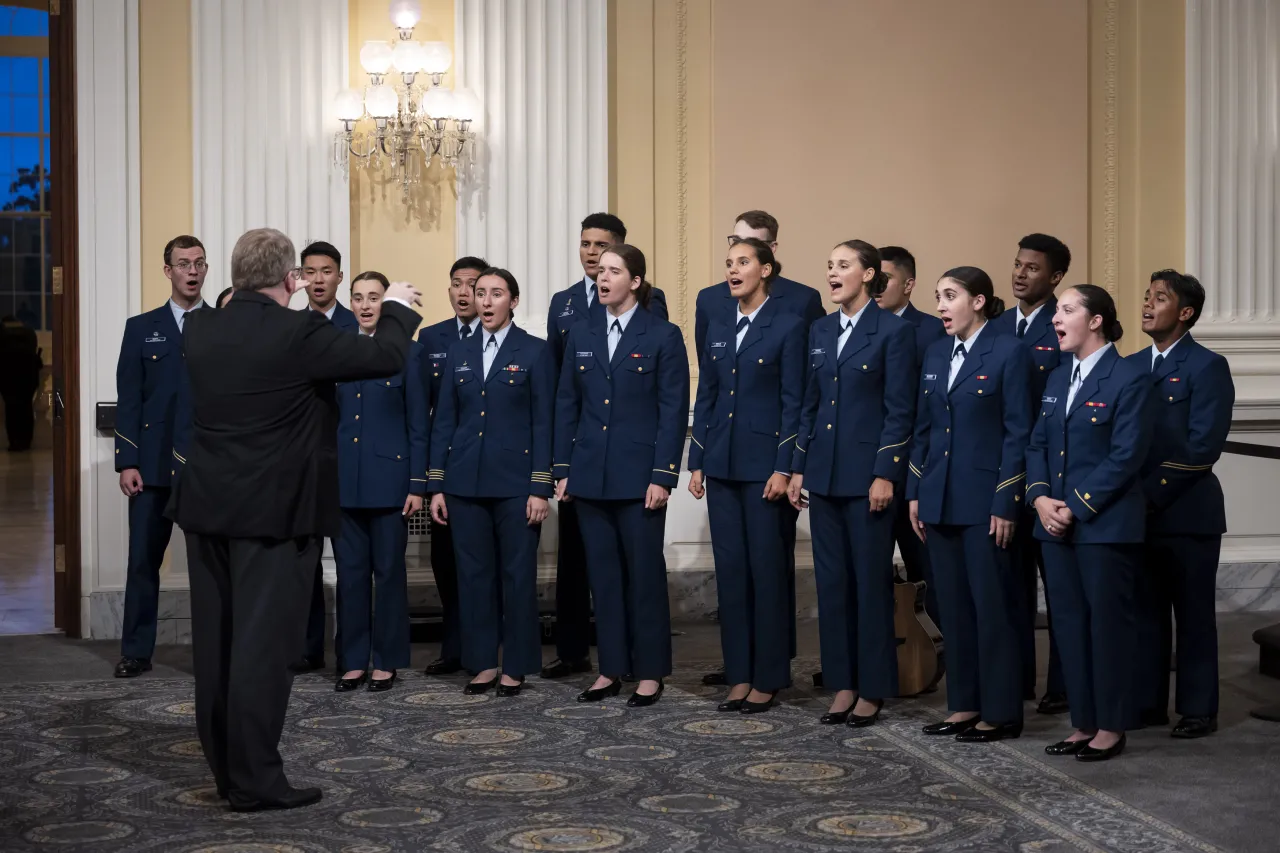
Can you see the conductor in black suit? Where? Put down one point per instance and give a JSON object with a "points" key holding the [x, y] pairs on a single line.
{"points": [[258, 492]]}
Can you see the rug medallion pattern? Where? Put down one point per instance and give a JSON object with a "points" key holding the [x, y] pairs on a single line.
{"points": [[115, 766]]}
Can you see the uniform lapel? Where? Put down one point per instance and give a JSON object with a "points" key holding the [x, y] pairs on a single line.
{"points": [[1093, 381], [755, 330], [972, 360], [507, 351], [860, 337], [1042, 325], [627, 343], [168, 328], [1173, 361], [600, 333]]}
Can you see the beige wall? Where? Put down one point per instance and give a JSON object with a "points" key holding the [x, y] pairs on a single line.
{"points": [[950, 128], [418, 248], [164, 117]]}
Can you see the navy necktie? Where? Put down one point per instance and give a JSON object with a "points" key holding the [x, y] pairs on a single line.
{"points": [[1022, 327], [1155, 365], [743, 323], [464, 333], [958, 351]]}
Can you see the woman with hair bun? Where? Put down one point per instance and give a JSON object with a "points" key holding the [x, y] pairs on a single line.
{"points": [[1084, 481], [851, 452], [967, 476]]}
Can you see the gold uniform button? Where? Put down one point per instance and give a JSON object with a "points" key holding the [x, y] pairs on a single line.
{"points": [[482, 433], [1042, 367], [435, 374], [511, 382], [735, 370], [1062, 453], [672, 467], [731, 414], [946, 453], [388, 383], [1170, 399], [639, 370], [582, 367], [355, 440], [357, 417], [1017, 497], [146, 426], [1164, 482], [526, 453], [1059, 476], [1087, 496], [482, 414], [979, 390], [762, 361], [604, 428], [948, 429], [153, 358], [864, 367], [606, 402], [358, 396], [117, 450], [1095, 420], [828, 426], [730, 393]]}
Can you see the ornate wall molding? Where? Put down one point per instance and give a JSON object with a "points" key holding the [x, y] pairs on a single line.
{"points": [[262, 126], [541, 70], [681, 284], [1233, 193], [1111, 146]]}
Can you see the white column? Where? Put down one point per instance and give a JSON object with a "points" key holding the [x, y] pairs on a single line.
{"points": [[264, 73], [1233, 189], [540, 69], [109, 286]]}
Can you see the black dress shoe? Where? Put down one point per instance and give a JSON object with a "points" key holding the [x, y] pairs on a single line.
{"points": [[1053, 703], [613, 688], [730, 706], [817, 679], [377, 685], [475, 688], [1089, 753], [307, 663], [1066, 747], [132, 667], [1194, 727], [836, 718], [715, 679], [442, 666], [640, 700], [295, 799], [861, 721], [749, 707], [1002, 731], [510, 689], [1153, 719], [945, 728], [560, 668], [346, 685]]}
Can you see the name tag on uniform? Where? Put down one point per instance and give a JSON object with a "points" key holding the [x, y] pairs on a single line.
{"points": [[568, 312], [929, 377], [719, 344], [817, 352], [583, 354], [159, 339], [438, 355], [461, 367], [1048, 399]]}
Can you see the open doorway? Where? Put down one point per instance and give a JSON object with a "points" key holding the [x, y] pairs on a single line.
{"points": [[32, 334]]}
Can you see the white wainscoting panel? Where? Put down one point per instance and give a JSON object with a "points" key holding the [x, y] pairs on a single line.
{"points": [[264, 73], [540, 69], [1233, 189], [108, 219]]}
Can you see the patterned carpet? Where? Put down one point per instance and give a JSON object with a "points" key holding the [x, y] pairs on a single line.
{"points": [[115, 766]]}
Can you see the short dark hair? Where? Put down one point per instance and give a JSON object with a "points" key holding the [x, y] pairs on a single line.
{"points": [[900, 258], [371, 275], [184, 241], [327, 250], [222, 297], [1187, 288], [468, 262], [760, 220], [1051, 247], [606, 222]]}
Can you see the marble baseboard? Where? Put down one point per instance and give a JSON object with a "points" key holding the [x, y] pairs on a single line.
{"points": [[692, 592]]}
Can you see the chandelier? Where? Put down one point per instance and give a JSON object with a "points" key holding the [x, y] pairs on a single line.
{"points": [[392, 130]]}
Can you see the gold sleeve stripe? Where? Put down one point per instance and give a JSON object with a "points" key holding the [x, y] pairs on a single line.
{"points": [[801, 449], [178, 456], [891, 446], [1181, 467], [915, 470], [122, 438], [695, 441], [675, 474], [1011, 481], [785, 440], [416, 480], [1031, 486], [1085, 502], [561, 465]]}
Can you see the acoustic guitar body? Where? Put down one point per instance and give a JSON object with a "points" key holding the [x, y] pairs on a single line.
{"points": [[921, 663]]}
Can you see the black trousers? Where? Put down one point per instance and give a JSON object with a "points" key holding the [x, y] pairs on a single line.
{"points": [[915, 556], [1178, 580], [149, 533], [445, 569], [20, 417], [313, 646], [573, 590], [248, 612], [1030, 565]]}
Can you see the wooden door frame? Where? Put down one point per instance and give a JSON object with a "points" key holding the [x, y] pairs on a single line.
{"points": [[66, 317]]}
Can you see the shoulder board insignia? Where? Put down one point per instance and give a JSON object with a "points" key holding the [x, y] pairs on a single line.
{"points": [[1094, 405]]}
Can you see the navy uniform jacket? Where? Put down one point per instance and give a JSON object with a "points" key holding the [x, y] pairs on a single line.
{"points": [[344, 318], [859, 409], [1194, 396], [928, 329], [1092, 456], [747, 413], [1040, 339], [569, 307], [436, 341], [382, 438], [148, 378], [620, 423], [715, 301], [968, 457], [491, 438]]}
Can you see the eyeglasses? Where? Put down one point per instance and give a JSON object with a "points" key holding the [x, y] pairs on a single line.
{"points": [[186, 266]]}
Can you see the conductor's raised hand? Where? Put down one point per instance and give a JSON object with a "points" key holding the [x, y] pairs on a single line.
{"points": [[405, 291]]}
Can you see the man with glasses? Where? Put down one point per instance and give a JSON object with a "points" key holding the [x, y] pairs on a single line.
{"points": [[147, 379], [321, 273]]}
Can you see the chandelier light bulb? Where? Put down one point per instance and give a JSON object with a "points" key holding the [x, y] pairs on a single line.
{"points": [[438, 102], [348, 105], [375, 57], [382, 101], [436, 57], [407, 57], [466, 106], [405, 14]]}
